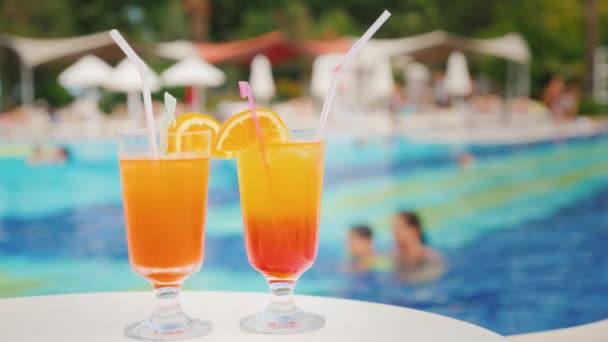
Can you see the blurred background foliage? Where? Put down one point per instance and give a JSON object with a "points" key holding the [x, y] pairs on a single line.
{"points": [[553, 29]]}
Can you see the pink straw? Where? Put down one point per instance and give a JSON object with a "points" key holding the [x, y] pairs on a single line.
{"points": [[353, 50], [246, 93]]}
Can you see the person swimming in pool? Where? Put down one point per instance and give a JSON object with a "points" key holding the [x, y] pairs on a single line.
{"points": [[361, 251], [415, 262], [39, 156], [361, 247]]}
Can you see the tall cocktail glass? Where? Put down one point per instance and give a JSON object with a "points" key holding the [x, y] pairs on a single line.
{"points": [[165, 202], [280, 187]]}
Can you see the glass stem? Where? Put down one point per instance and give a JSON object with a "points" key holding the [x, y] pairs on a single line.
{"points": [[282, 295], [168, 308]]}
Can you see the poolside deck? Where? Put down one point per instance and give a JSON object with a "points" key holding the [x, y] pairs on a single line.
{"points": [[442, 126]]}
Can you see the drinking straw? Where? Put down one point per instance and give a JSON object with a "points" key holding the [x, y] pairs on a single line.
{"points": [[145, 84], [353, 50], [245, 91]]}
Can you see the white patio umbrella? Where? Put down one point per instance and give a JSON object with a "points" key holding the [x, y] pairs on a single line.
{"points": [[457, 78], [345, 101], [322, 73], [322, 68], [195, 72], [417, 76], [380, 83], [88, 72], [261, 80], [125, 79], [417, 73]]}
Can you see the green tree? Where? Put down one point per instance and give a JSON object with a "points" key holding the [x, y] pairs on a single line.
{"points": [[554, 29], [37, 18], [335, 23]]}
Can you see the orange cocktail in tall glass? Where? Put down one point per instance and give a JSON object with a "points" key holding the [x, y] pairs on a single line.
{"points": [[165, 216], [165, 201], [280, 186]]}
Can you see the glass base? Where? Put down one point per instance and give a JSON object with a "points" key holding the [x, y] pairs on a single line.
{"points": [[152, 331], [279, 322]]}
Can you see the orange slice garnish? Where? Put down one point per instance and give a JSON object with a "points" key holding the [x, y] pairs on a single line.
{"points": [[180, 139], [239, 131]]}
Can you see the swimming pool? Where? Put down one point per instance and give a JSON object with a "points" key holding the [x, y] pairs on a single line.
{"points": [[524, 230]]}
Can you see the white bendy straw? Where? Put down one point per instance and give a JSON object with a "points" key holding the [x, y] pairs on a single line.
{"points": [[144, 75], [353, 50]]}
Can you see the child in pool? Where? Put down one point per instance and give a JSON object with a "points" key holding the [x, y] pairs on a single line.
{"points": [[361, 251]]}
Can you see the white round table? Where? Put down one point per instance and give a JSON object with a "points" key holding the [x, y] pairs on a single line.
{"points": [[102, 316]]}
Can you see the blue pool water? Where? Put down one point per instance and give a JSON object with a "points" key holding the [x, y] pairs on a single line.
{"points": [[524, 231]]}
